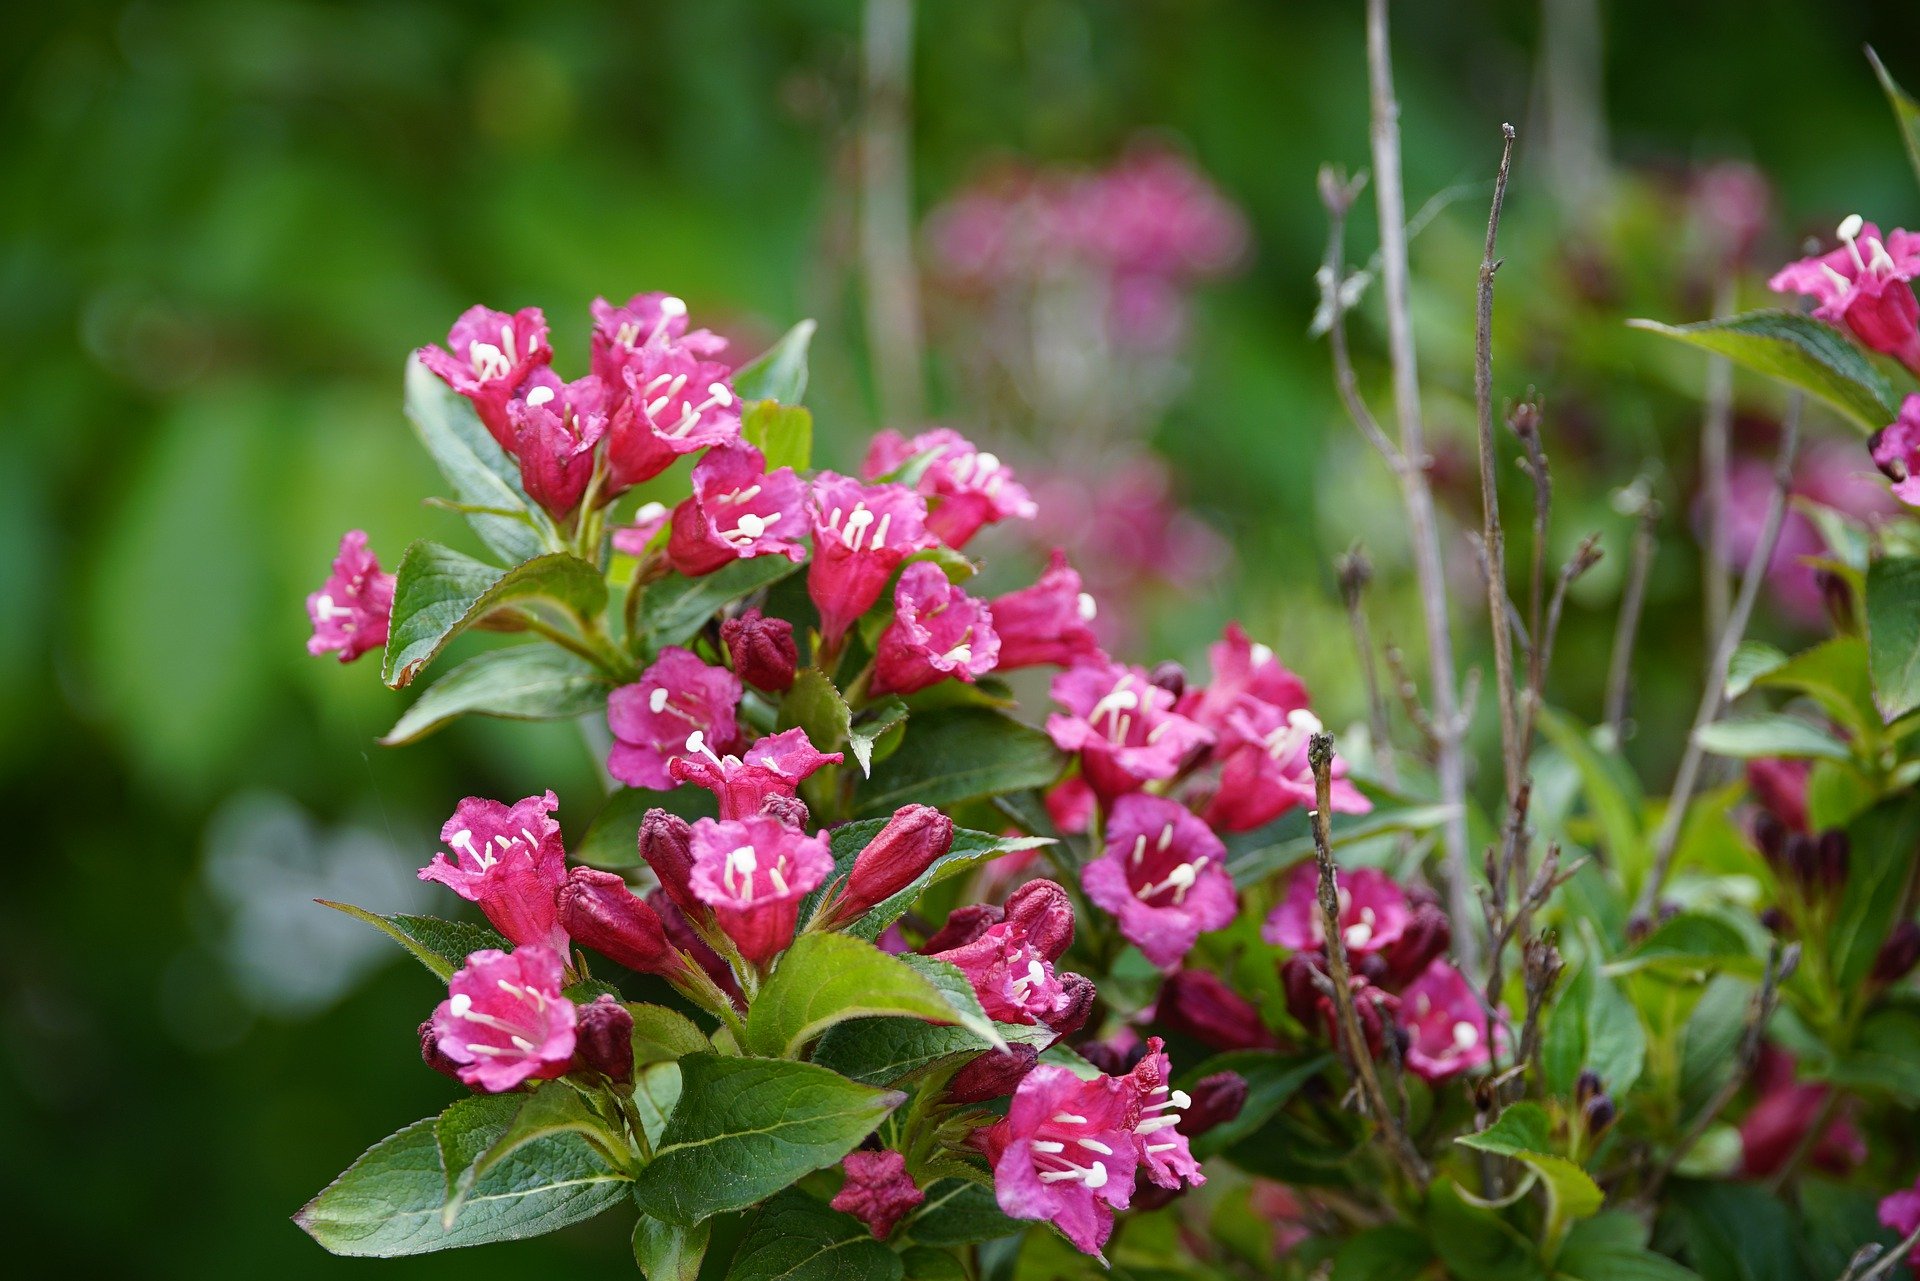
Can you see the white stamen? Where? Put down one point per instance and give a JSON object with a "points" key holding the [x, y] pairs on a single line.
{"points": [[657, 701], [1048, 1146], [539, 395], [1260, 654], [1093, 1145], [1465, 1035], [1068, 1118], [1089, 608]]}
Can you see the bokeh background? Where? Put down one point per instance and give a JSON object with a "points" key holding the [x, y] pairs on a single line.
{"points": [[226, 222]]}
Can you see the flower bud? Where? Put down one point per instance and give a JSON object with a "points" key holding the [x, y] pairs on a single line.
{"points": [[908, 845], [1076, 1009], [993, 1075], [1598, 1113], [790, 810], [1424, 940], [666, 843], [1169, 676], [1044, 911], [598, 909], [1116, 1055], [686, 939], [1587, 1086], [761, 650], [1780, 787], [603, 1039], [1833, 858], [964, 925], [1196, 1004], [1303, 993], [1775, 921], [878, 1190], [1899, 954], [1217, 1099], [433, 1056], [1836, 593]]}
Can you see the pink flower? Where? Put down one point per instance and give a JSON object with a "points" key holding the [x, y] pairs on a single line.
{"points": [[1780, 786], [1862, 287], [1896, 452], [861, 533], [966, 488], [773, 766], [1373, 911], [878, 1190], [1066, 1153], [1070, 805], [505, 1020], [656, 320], [1154, 214], [1447, 1023], [1163, 876], [1243, 671], [753, 873], [510, 861], [1164, 1155], [556, 427], [492, 355], [652, 718], [1198, 1005], [738, 510], [937, 631], [351, 610], [1901, 1212], [634, 538], [673, 403], [1266, 772], [1123, 726], [1777, 1124], [1009, 962], [1049, 622]]}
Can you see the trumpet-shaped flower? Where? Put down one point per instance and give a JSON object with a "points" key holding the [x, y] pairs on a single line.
{"points": [[509, 860], [1123, 726], [753, 873], [351, 611], [738, 510], [861, 533], [773, 766], [489, 354], [937, 631], [505, 1021], [965, 487], [1863, 287], [1163, 876], [1049, 622], [652, 718], [1066, 1152]]}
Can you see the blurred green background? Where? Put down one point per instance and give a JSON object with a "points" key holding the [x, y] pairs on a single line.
{"points": [[227, 221]]}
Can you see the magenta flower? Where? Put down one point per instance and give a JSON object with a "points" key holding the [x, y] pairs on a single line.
{"points": [[1243, 671], [492, 355], [1123, 726], [505, 1021], [509, 860], [937, 631], [1164, 1156], [1049, 622], [1009, 962], [669, 402], [1862, 287], [738, 510], [1447, 1022], [1779, 784], [753, 873], [556, 428], [633, 538], [1896, 452], [656, 320], [1070, 805], [965, 487], [1901, 1212], [351, 611], [773, 766], [1775, 1128], [861, 533], [1163, 876], [1266, 771], [652, 718], [1066, 1152], [879, 1192], [1373, 911]]}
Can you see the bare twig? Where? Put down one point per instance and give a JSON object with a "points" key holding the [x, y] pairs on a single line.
{"points": [[1337, 193], [1715, 429], [886, 211], [1688, 776], [1416, 495], [1320, 755], [1355, 572], [1870, 1263], [1627, 627], [1409, 696], [1493, 537], [1584, 558]]}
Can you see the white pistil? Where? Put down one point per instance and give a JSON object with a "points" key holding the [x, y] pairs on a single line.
{"points": [[751, 526], [1068, 1118], [1089, 608], [657, 701], [1848, 232], [1465, 1035], [539, 396], [1095, 1145]]}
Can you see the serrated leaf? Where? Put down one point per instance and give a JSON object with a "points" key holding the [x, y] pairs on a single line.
{"points": [[889, 1051], [874, 723], [745, 1128], [1799, 351], [439, 593], [815, 705], [1893, 634], [441, 946], [474, 464], [795, 1238], [660, 1034], [1771, 734], [782, 433], [675, 609], [526, 683], [824, 979], [957, 754], [553, 1108], [780, 372]]}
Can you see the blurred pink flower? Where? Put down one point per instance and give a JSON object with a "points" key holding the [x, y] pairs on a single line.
{"points": [[965, 487], [1895, 450], [1373, 911], [1447, 1022], [351, 611]]}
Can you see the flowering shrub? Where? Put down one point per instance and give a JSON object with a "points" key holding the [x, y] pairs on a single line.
{"points": [[862, 970]]}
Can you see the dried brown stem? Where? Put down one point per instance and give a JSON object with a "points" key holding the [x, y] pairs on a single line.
{"points": [[1409, 696], [1870, 1263], [1355, 572], [1493, 537]]}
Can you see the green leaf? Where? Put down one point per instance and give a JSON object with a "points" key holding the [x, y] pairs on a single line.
{"points": [[613, 838], [782, 433], [1390, 1252], [887, 1051], [815, 705], [1523, 1127], [1477, 1243], [874, 724], [745, 1128], [1691, 944], [780, 372], [675, 609], [524, 683], [795, 1238], [1906, 112], [970, 849], [1524, 1133], [1272, 1079], [441, 946], [1752, 660], [1833, 674], [956, 754], [474, 464], [924, 1263], [388, 1202], [660, 1034], [439, 593], [669, 1252], [1256, 865], [1616, 1040], [959, 1212], [1770, 734], [824, 979], [553, 1108], [656, 1092], [1611, 791], [1883, 843], [1799, 351], [1735, 1232], [1893, 634]]}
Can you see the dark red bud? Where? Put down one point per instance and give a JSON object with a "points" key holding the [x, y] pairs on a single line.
{"points": [[684, 937], [790, 810], [1899, 954], [1775, 920], [964, 925], [908, 845], [1836, 593], [1073, 1016], [1598, 1113], [600, 911], [1833, 858], [761, 649], [1169, 676], [433, 1056], [666, 843], [993, 1075], [1197, 1004], [1112, 1057], [1586, 1085], [1044, 911], [603, 1038], [1297, 980], [1217, 1099], [1770, 838], [1424, 941]]}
